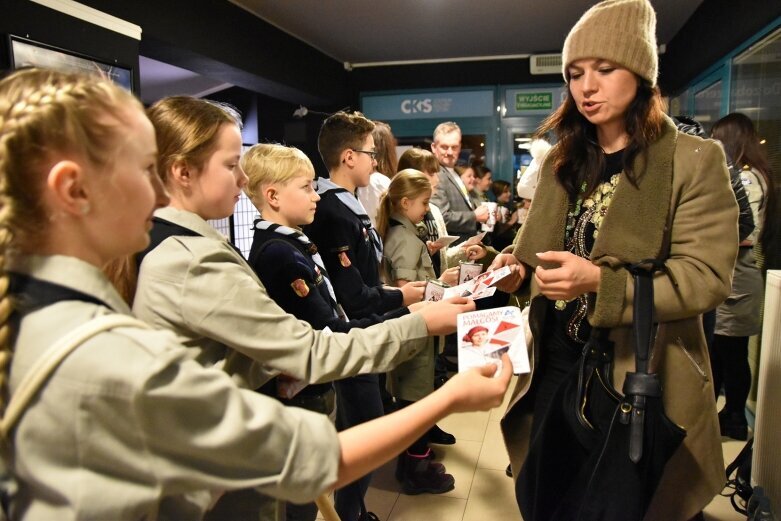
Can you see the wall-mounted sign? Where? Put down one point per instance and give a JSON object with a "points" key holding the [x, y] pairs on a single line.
{"points": [[533, 102], [430, 105]]}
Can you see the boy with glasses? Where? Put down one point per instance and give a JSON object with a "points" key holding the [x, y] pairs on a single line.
{"points": [[351, 250]]}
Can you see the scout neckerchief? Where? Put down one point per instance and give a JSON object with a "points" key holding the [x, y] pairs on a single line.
{"points": [[162, 229], [430, 226], [420, 232], [350, 201], [32, 294], [310, 249]]}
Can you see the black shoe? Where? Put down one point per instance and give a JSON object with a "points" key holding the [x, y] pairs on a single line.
{"points": [[425, 476], [440, 437], [368, 516], [509, 471], [733, 425], [404, 457]]}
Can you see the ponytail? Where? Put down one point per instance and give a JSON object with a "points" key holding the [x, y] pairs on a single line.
{"points": [[383, 215]]}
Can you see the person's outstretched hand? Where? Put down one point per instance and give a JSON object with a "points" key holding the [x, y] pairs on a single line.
{"points": [[478, 389], [475, 252], [413, 292], [441, 316], [511, 282], [450, 276]]}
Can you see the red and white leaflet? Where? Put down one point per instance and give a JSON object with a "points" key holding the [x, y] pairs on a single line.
{"points": [[484, 335]]}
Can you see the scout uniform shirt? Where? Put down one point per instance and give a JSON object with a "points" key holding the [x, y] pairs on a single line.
{"points": [[202, 288], [294, 275], [351, 251], [129, 427], [406, 257]]}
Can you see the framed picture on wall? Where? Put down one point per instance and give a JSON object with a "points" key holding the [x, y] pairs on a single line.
{"points": [[27, 53]]}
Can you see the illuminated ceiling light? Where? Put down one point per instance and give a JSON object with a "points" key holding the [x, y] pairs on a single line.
{"points": [[762, 141]]}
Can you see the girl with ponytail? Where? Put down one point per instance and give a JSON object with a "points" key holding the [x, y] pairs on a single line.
{"points": [[406, 259]]}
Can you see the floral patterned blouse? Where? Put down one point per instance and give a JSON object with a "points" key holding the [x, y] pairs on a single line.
{"points": [[583, 222]]}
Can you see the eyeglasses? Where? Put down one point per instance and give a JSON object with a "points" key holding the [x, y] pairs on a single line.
{"points": [[369, 153]]}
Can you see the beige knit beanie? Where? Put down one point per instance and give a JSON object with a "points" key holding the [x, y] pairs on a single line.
{"points": [[622, 31]]}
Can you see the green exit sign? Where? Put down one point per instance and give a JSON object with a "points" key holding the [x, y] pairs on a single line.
{"points": [[533, 100]]}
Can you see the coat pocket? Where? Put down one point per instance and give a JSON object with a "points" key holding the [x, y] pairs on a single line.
{"points": [[698, 366]]}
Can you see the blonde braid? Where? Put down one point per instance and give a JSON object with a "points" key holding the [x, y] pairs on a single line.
{"points": [[7, 131], [44, 114], [6, 306]]}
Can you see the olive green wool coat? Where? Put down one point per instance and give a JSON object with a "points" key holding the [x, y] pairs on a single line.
{"points": [[683, 211]]}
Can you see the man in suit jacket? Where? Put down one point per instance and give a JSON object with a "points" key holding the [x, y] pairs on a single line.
{"points": [[451, 196]]}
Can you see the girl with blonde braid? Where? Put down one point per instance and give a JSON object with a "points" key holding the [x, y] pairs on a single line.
{"points": [[128, 426]]}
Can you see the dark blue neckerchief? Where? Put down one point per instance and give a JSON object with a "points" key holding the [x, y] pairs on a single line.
{"points": [[30, 294], [354, 205]]}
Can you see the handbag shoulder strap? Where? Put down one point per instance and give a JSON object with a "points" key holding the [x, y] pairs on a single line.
{"points": [[641, 385], [643, 309], [51, 359]]}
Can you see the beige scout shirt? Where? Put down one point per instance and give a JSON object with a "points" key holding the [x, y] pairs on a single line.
{"points": [[406, 257], [129, 427], [204, 290]]}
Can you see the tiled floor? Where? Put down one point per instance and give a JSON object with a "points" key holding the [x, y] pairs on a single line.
{"points": [[483, 492]]}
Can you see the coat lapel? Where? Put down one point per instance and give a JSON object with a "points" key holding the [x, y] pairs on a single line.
{"points": [[457, 188], [636, 222]]}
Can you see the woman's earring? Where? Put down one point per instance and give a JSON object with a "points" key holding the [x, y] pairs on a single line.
{"points": [[85, 208]]}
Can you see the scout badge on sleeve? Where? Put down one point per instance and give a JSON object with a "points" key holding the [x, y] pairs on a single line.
{"points": [[344, 260], [300, 287]]}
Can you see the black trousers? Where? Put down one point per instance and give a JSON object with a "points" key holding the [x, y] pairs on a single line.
{"points": [[358, 400], [729, 362], [554, 364]]}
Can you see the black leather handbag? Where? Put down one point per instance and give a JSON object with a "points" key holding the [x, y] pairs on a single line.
{"points": [[598, 455]]}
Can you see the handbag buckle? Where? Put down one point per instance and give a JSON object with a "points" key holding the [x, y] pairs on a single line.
{"points": [[626, 412]]}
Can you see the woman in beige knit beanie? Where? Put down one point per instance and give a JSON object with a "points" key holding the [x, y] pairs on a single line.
{"points": [[620, 186]]}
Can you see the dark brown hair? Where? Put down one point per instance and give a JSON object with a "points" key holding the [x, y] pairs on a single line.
{"points": [[339, 132], [577, 157], [737, 133], [499, 187], [480, 171]]}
